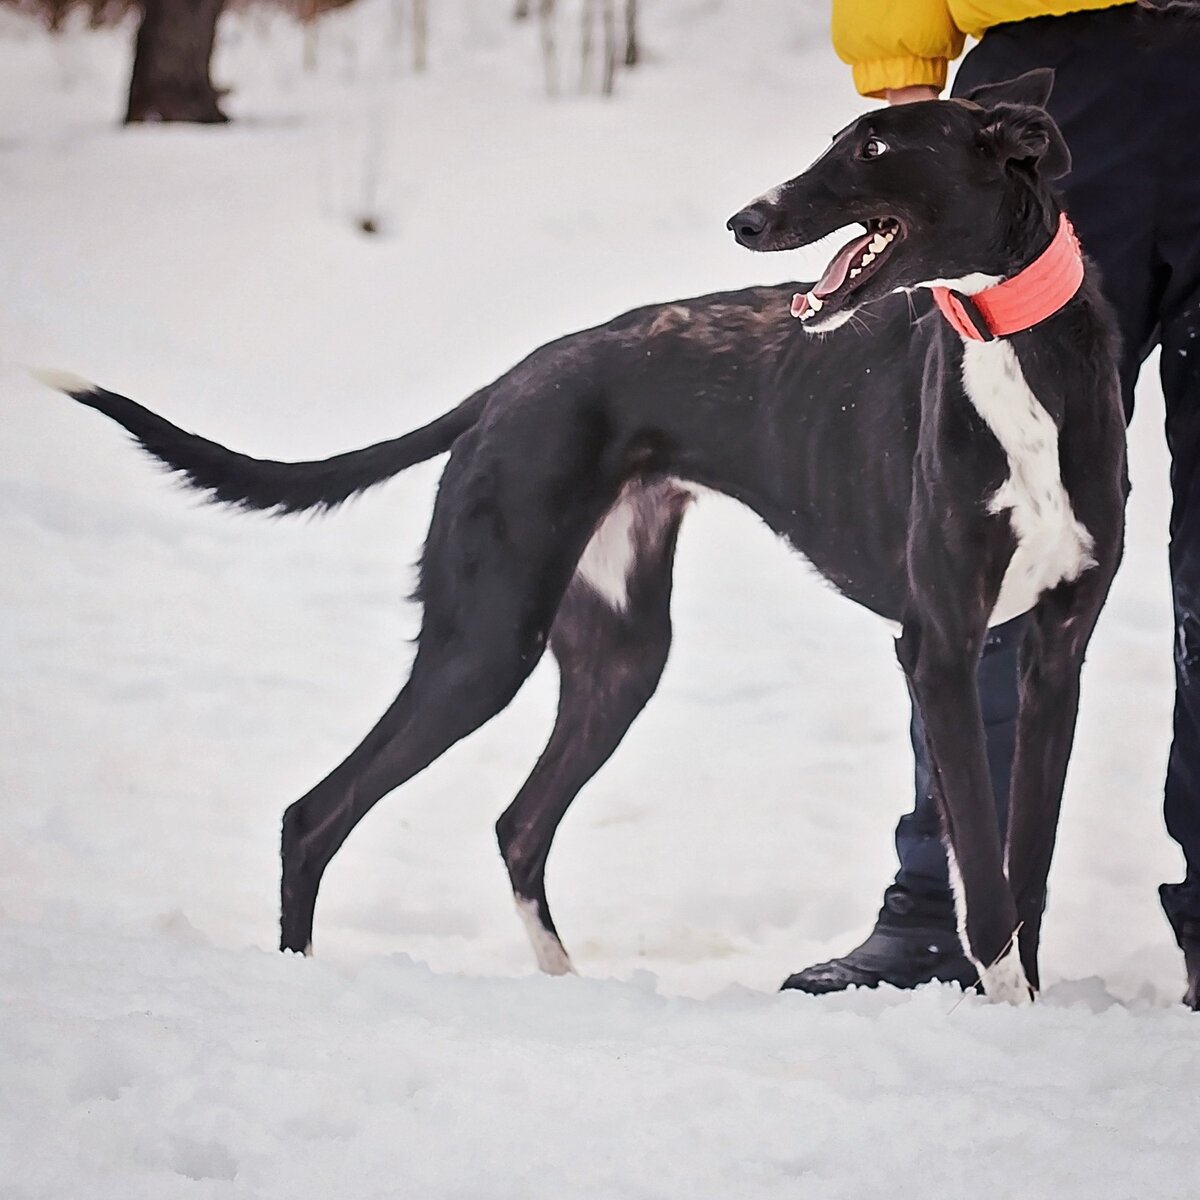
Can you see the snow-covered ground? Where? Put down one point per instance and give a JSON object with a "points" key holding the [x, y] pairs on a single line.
{"points": [[175, 675]]}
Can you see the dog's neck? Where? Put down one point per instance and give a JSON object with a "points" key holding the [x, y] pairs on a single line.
{"points": [[1021, 301]]}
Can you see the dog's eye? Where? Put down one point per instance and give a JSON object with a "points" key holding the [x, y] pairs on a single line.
{"points": [[873, 147]]}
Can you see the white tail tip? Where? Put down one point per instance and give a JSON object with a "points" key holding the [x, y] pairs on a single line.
{"points": [[62, 381]]}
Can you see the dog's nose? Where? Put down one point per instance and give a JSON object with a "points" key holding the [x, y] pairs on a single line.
{"points": [[748, 225]]}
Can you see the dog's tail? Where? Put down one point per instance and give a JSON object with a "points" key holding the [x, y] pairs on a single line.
{"points": [[262, 484]]}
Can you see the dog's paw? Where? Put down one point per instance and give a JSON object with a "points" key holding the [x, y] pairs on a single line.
{"points": [[1004, 982]]}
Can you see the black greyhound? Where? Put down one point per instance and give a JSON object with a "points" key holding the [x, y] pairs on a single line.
{"points": [[941, 476]]}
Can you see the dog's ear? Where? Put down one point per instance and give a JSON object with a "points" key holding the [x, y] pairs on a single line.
{"points": [[1034, 87], [1027, 136]]}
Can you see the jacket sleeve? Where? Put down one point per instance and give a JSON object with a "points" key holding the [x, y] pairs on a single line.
{"points": [[895, 43]]}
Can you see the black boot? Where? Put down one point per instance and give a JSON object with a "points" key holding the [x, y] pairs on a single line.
{"points": [[915, 940], [1187, 933]]}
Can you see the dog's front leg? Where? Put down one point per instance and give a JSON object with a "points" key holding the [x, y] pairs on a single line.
{"points": [[940, 665], [1051, 659]]}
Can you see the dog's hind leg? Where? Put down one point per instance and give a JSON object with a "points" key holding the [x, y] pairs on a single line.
{"points": [[501, 548], [442, 702], [611, 637], [1051, 660], [940, 664]]}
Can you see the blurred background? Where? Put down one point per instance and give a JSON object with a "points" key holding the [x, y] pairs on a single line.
{"points": [[322, 234]]}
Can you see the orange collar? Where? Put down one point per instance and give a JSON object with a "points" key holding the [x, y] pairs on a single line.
{"points": [[1019, 303]]}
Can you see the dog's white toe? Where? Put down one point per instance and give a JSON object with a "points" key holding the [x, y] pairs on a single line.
{"points": [[1004, 982], [551, 956]]}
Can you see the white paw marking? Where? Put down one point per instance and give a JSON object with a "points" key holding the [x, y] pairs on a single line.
{"points": [[551, 957], [1004, 981], [609, 556]]}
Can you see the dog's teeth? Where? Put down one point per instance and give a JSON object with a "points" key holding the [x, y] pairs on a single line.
{"points": [[887, 237], [867, 258], [815, 303], [878, 243], [807, 314], [854, 272]]}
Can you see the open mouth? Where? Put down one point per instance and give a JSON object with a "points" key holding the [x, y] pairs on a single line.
{"points": [[850, 268]]}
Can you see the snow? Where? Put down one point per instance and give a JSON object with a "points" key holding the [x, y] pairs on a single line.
{"points": [[176, 674]]}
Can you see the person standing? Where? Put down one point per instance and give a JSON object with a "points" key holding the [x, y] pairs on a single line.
{"points": [[1127, 102]]}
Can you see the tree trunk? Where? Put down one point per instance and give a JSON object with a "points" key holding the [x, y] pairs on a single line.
{"points": [[633, 51], [587, 21], [170, 80], [549, 48], [609, 74], [420, 22]]}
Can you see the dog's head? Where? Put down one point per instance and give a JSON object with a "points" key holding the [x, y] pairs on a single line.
{"points": [[945, 189]]}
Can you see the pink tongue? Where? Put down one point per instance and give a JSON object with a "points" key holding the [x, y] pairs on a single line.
{"points": [[839, 268]]}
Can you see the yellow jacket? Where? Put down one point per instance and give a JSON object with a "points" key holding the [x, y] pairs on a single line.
{"points": [[899, 43]]}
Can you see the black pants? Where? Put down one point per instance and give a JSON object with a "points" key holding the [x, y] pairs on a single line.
{"points": [[1127, 98]]}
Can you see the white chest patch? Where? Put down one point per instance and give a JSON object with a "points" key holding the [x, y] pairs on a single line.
{"points": [[1052, 545], [608, 557]]}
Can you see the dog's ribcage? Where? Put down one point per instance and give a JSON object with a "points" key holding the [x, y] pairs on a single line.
{"points": [[1052, 545]]}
